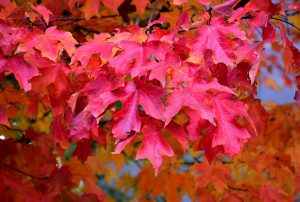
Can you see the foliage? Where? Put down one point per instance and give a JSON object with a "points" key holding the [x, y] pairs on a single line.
{"points": [[173, 82]]}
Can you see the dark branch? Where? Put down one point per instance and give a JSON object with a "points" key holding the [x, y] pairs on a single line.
{"points": [[152, 13], [26, 174], [128, 157], [286, 23], [237, 188], [74, 19], [87, 29]]}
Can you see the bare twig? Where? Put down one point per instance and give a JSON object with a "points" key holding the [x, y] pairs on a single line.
{"points": [[75, 19], [273, 18], [152, 13], [134, 161], [88, 29], [237, 188], [24, 173]]}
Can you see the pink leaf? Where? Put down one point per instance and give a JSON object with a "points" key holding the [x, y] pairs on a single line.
{"points": [[214, 37], [21, 69], [178, 132], [43, 11], [127, 119], [95, 46], [193, 96], [51, 43], [153, 146], [228, 133]]}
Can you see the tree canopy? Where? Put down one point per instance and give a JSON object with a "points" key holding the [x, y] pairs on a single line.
{"points": [[120, 100]]}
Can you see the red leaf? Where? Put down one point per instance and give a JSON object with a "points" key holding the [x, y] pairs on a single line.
{"points": [[193, 96], [228, 133], [154, 146], [135, 57], [226, 8], [50, 43], [127, 119], [60, 178], [10, 37], [22, 70], [43, 11], [113, 5], [83, 125], [178, 133], [50, 73], [214, 37], [3, 116], [95, 46], [83, 149], [140, 5], [204, 2], [90, 8]]}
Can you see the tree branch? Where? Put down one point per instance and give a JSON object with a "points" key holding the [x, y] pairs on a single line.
{"points": [[286, 23], [74, 19], [135, 162], [26, 174], [152, 13], [236, 188]]}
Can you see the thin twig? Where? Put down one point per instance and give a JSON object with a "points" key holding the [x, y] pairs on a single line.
{"points": [[196, 159], [195, 26], [134, 161], [87, 29], [26, 174], [152, 13], [75, 19], [237, 188], [14, 129], [286, 23]]}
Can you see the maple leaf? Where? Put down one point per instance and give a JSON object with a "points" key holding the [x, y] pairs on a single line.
{"points": [[101, 92], [3, 116], [11, 37], [83, 149], [225, 131], [43, 11], [90, 8], [179, 133], [226, 8], [59, 131], [214, 37], [193, 96], [98, 45], [60, 178], [228, 133], [122, 143], [140, 5], [204, 2], [140, 82], [113, 5], [159, 70], [134, 58], [82, 126], [153, 146], [127, 119], [50, 73], [21, 69], [50, 43]]}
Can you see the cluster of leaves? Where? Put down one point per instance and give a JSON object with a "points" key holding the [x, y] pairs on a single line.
{"points": [[74, 79]]}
